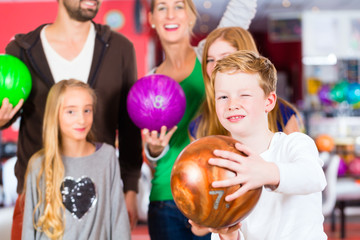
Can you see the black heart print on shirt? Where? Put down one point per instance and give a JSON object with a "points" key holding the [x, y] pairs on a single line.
{"points": [[78, 196]]}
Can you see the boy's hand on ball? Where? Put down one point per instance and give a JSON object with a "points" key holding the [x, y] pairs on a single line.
{"points": [[229, 233], [251, 171], [226, 233], [198, 230]]}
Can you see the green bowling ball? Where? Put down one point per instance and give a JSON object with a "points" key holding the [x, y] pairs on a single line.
{"points": [[15, 79]]}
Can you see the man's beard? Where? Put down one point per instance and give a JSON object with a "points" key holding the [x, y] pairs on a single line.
{"points": [[78, 14]]}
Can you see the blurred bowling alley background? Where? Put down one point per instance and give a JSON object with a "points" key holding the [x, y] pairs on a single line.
{"points": [[315, 46]]}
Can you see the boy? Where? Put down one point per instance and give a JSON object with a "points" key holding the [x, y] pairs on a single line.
{"points": [[288, 166]]}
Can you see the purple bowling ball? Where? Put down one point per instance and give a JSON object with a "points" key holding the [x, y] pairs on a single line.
{"points": [[342, 167], [156, 100], [324, 95]]}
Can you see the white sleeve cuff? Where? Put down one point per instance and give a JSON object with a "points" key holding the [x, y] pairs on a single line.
{"points": [[239, 13], [155, 159], [215, 236]]}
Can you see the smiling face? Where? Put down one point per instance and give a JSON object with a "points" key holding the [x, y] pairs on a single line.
{"points": [[240, 103], [172, 19], [218, 49], [76, 115], [82, 10]]}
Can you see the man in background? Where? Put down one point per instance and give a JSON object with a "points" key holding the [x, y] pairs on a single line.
{"points": [[73, 46]]}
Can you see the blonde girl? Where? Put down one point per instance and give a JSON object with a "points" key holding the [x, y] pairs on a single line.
{"points": [[73, 188]]}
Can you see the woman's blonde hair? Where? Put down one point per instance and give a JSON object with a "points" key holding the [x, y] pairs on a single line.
{"points": [[240, 39], [51, 219]]}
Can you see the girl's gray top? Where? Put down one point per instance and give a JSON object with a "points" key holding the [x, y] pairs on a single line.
{"points": [[93, 195]]}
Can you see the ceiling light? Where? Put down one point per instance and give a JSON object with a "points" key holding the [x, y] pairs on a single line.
{"points": [[204, 28], [205, 17], [286, 3], [315, 9], [331, 59], [207, 4]]}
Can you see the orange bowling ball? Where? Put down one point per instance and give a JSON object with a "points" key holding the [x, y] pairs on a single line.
{"points": [[191, 179], [324, 143]]}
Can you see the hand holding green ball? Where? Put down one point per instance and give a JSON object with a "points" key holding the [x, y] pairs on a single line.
{"points": [[15, 79]]}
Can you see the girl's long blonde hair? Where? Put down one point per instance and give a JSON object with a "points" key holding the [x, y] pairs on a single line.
{"points": [[50, 206]]}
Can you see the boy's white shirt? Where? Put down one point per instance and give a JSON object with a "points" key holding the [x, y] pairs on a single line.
{"points": [[294, 209], [217, 237]]}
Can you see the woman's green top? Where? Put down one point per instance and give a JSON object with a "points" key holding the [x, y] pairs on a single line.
{"points": [[194, 89]]}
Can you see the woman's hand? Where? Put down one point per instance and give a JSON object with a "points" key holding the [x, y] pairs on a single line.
{"points": [[157, 142]]}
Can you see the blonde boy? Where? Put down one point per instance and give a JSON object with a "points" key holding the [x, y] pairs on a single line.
{"points": [[288, 166]]}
